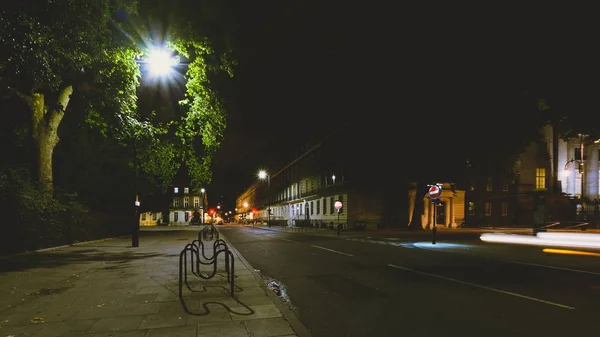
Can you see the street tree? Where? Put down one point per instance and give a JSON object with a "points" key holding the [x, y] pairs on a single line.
{"points": [[51, 49]]}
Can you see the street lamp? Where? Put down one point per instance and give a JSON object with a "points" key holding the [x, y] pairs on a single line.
{"points": [[333, 178], [160, 63], [262, 175], [202, 190]]}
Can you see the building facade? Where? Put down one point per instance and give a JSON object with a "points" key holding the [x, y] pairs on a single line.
{"points": [[539, 193], [304, 191], [148, 219], [187, 207], [449, 213]]}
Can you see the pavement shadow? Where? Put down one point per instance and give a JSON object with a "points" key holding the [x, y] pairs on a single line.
{"points": [[61, 258], [205, 309]]}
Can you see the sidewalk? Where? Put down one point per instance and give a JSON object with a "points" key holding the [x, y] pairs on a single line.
{"points": [[107, 288]]}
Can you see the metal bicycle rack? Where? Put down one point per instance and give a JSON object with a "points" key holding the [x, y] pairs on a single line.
{"points": [[197, 257], [209, 233]]}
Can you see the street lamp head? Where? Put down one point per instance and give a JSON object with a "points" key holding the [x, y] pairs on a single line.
{"points": [[262, 174], [202, 190], [161, 62], [245, 205], [333, 177]]}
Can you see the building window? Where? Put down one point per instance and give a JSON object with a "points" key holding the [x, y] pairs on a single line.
{"points": [[176, 202], [312, 209], [196, 202], [504, 208], [187, 216], [318, 207], [340, 198], [186, 202], [186, 190], [488, 186], [143, 216], [176, 216], [578, 154], [471, 208], [175, 189], [488, 208], [540, 178], [324, 206], [505, 186], [153, 216]]}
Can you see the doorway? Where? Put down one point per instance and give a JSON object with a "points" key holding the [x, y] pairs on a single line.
{"points": [[440, 214]]}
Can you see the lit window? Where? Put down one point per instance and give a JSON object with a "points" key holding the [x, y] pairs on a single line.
{"points": [[488, 187], [540, 178], [488, 208], [186, 190], [186, 202], [196, 202], [176, 190], [176, 202], [471, 208]]}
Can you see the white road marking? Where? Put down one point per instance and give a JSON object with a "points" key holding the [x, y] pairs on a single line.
{"points": [[484, 287], [554, 267], [288, 240], [331, 250]]}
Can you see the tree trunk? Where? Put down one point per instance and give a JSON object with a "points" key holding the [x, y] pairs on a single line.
{"points": [[45, 122]]}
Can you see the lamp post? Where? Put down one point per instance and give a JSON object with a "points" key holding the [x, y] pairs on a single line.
{"points": [[202, 190], [135, 234], [262, 175], [160, 63]]}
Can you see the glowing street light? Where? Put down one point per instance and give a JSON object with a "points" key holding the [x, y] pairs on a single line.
{"points": [[262, 175], [161, 62]]}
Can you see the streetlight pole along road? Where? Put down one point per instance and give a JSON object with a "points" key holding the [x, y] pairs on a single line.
{"points": [[160, 63], [262, 175]]}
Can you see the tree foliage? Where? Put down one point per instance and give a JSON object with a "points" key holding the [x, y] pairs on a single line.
{"points": [[53, 49], [194, 30]]}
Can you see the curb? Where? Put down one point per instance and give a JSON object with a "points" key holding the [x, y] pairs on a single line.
{"points": [[300, 329]]}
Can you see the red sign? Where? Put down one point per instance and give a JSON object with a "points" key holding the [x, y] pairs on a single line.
{"points": [[338, 204], [434, 192]]}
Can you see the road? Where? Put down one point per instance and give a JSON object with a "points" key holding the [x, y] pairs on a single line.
{"points": [[405, 286]]}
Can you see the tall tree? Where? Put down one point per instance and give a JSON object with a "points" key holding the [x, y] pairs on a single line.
{"points": [[49, 49]]}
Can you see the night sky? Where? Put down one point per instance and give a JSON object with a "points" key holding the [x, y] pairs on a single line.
{"points": [[308, 65]]}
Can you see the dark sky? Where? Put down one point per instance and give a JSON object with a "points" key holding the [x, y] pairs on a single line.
{"points": [[307, 65]]}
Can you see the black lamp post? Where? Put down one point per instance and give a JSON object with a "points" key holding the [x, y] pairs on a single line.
{"points": [[262, 174], [135, 233]]}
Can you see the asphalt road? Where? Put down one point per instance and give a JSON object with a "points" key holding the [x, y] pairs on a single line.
{"points": [[405, 286]]}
